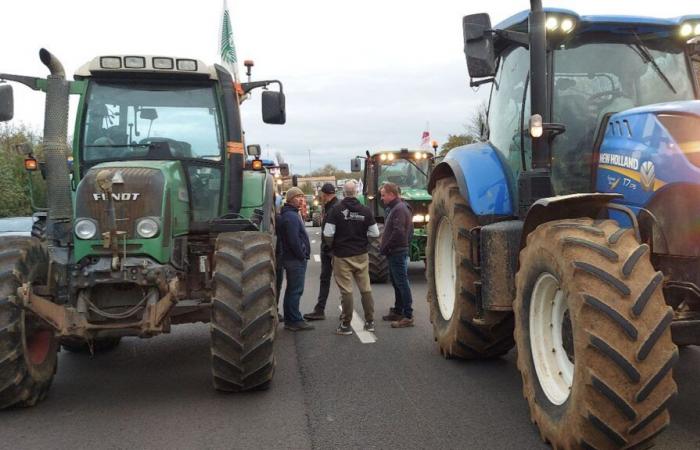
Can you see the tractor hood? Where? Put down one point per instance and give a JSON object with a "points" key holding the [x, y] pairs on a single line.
{"points": [[412, 194], [649, 149], [140, 189]]}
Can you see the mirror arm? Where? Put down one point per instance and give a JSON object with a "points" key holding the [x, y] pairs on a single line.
{"points": [[30, 82], [247, 87], [475, 83], [513, 36]]}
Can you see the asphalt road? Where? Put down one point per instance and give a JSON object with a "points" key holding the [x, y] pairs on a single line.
{"points": [[329, 391]]}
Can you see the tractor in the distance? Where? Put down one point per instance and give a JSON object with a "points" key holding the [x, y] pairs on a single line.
{"points": [[571, 231], [158, 221], [410, 171]]}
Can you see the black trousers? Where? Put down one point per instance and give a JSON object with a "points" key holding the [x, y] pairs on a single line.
{"points": [[326, 274]]}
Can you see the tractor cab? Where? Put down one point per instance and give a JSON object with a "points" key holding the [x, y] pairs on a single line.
{"points": [[600, 65]]}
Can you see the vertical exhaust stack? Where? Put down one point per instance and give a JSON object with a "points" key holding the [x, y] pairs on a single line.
{"points": [[55, 148]]}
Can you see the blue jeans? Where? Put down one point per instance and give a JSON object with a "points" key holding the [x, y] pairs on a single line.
{"points": [[398, 269], [295, 271]]}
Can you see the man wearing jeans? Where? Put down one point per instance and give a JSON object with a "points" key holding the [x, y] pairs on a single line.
{"points": [[398, 228], [346, 231], [294, 252]]}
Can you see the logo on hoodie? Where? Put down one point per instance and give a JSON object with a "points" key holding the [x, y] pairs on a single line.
{"points": [[349, 215]]}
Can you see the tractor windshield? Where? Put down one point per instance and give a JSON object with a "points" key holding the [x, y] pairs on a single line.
{"points": [[125, 122], [593, 78], [404, 173]]}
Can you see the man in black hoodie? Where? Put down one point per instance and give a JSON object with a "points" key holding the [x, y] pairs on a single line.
{"points": [[293, 254], [346, 231], [329, 201]]}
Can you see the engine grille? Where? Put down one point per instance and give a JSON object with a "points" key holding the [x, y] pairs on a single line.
{"points": [[140, 195]]}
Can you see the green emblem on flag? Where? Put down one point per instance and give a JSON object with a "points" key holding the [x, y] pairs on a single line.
{"points": [[228, 49]]}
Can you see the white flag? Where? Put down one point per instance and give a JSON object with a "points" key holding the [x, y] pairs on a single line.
{"points": [[227, 48]]}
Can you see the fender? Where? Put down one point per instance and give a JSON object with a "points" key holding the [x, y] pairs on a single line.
{"points": [[482, 176]]}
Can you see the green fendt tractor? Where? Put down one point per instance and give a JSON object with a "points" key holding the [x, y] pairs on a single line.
{"points": [[158, 221], [410, 171]]}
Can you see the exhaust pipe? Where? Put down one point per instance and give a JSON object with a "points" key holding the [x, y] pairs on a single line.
{"points": [[56, 148]]}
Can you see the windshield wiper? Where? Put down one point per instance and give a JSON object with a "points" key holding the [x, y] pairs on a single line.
{"points": [[419, 169], [643, 53], [117, 145]]}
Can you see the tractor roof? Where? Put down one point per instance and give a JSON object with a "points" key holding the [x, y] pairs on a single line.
{"points": [[518, 22], [130, 65]]}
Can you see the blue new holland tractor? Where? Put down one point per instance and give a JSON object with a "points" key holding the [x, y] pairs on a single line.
{"points": [[573, 230]]}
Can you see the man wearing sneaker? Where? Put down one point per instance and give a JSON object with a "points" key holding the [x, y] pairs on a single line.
{"points": [[295, 251], [346, 232], [398, 228], [329, 201]]}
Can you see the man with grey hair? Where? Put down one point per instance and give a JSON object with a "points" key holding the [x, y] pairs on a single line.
{"points": [[347, 229]]}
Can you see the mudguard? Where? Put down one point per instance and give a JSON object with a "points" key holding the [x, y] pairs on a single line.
{"points": [[482, 176]]}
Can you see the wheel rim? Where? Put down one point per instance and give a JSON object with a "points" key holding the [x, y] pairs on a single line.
{"points": [[550, 338], [445, 274], [38, 345]]}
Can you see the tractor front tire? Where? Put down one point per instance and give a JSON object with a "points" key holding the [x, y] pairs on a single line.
{"points": [[593, 338], [28, 347], [378, 264], [457, 326], [244, 314]]}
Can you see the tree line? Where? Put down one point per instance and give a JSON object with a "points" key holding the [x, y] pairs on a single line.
{"points": [[14, 181]]}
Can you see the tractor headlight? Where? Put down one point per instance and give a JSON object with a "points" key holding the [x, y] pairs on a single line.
{"points": [[427, 217], [419, 218], [147, 228], [315, 202], [85, 229]]}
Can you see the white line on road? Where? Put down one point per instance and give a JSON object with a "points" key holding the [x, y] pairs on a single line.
{"points": [[317, 258], [358, 326], [313, 241]]}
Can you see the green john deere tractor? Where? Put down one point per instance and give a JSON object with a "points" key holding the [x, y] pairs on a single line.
{"points": [[158, 221], [410, 171]]}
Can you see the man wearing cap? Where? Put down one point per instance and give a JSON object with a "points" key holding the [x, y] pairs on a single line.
{"points": [[293, 255], [329, 201]]}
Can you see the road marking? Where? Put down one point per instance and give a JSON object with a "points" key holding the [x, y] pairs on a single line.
{"points": [[317, 258], [313, 241], [358, 326]]}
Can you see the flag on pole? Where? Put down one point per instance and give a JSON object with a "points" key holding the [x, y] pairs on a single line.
{"points": [[425, 141], [227, 48]]}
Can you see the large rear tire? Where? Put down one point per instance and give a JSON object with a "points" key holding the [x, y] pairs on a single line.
{"points": [[244, 314], [28, 347], [378, 264], [457, 328], [592, 331]]}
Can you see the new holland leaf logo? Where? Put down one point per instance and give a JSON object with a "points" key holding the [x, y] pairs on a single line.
{"points": [[647, 175]]}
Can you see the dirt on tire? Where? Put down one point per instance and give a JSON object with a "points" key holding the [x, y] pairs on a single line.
{"points": [[622, 349], [463, 335], [28, 348], [244, 314]]}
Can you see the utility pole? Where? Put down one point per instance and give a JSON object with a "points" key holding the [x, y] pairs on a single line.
{"points": [[309, 162]]}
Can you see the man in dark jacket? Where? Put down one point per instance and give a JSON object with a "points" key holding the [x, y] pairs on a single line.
{"points": [[398, 228], [329, 201], [294, 252], [346, 231]]}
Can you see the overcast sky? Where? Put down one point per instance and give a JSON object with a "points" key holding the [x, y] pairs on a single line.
{"points": [[359, 75]]}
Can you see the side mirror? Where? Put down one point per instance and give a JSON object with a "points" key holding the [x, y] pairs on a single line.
{"points": [[273, 108], [295, 180], [148, 114], [254, 150], [284, 169], [478, 45], [356, 165], [7, 106]]}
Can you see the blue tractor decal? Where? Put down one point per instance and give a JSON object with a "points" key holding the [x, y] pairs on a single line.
{"points": [[572, 232]]}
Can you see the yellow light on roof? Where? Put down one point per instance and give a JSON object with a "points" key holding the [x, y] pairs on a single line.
{"points": [[552, 23], [686, 30]]}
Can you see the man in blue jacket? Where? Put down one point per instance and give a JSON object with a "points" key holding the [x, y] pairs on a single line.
{"points": [[293, 254]]}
